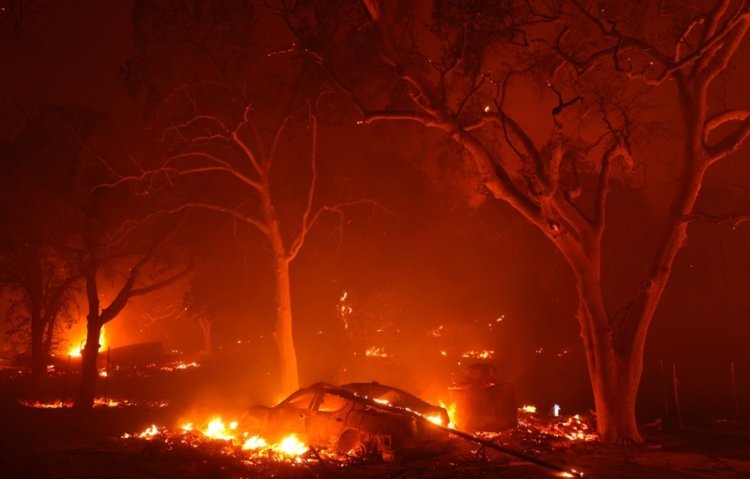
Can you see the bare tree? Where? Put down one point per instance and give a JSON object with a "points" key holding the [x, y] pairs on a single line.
{"points": [[238, 127], [36, 262], [140, 276], [587, 71], [206, 144]]}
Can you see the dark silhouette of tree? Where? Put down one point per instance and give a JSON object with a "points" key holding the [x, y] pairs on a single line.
{"points": [[37, 263], [549, 102], [64, 235], [141, 270]]}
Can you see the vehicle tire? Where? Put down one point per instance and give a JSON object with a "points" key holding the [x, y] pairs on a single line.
{"points": [[354, 443]]}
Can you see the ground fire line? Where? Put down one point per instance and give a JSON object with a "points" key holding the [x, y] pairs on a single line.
{"points": [[252, 448]]}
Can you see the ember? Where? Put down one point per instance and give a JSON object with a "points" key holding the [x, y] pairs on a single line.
{"points": [[376, 352], [98, 402], [482, 354], [179, 365], [573, 428], [246, 446]]}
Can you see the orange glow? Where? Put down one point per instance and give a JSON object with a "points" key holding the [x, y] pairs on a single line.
{"points": [[289, 448], [179, 365], [376, 352], [98, 402], [435, 419], [529, 408], [481, 354], [451, 410], [217, 430], [254, 443], [77, 347]]}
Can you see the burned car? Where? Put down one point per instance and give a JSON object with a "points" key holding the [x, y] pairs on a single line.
{"points": [[361, 418]]}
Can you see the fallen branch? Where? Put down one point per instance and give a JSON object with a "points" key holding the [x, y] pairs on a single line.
{"points": [[455, 432]]}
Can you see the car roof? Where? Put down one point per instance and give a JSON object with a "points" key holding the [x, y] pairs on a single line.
{"points": [[395, 396]]}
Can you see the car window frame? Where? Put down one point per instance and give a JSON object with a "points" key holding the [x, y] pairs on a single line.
{"points": [[319, 400], [295, 395]]}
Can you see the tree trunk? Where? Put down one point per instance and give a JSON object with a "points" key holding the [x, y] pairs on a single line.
{"points": [[614, 381], [283, 332], [614, 368], [205, 325], [89, 372], [49, 335], [38, 358]]}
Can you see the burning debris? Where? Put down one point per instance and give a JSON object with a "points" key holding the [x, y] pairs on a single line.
{"points": [[179, 366], [342, 425], [98, 402], [481, 354], [376, 352], [77, 345], [226, 438]]}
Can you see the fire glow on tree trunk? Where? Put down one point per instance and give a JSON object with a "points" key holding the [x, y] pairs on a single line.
{"points": [[89, 356], [283, 333]]}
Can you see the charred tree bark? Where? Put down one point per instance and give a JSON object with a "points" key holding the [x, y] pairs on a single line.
{"points": [[38, 358], [89, 371], [206, 333], [98, 317]]}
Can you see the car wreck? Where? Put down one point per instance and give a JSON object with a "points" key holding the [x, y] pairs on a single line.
{"points": [[360, 418]]}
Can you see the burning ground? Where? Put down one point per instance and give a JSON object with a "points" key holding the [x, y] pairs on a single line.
{"points": [[128, 441]]}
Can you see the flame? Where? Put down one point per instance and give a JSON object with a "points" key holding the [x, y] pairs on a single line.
{"points": [[529, 408], [482, 354], [150, 432], [573, 428], [376, 352], [451, 409], [179, 366], [254, 443], [77, 348], [98, 402], [571, 473], [291, 446], [217, 430], [435, 419]]}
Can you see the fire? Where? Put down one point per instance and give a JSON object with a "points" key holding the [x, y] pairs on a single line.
{"points": [[179, 365], [482, 354], [217, 430], [376, 352], [529, 408], [435, 419], [574, 428], [75, 350], [98, 402], [150, 432], [451, 410], [254, 443], [289, 448]]}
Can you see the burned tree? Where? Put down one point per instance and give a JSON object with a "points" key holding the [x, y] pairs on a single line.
{"points": [[589, 73], [238, 130], [202, 143], [37, 263], [106, 254]]}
